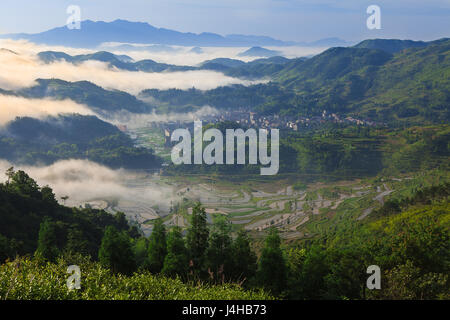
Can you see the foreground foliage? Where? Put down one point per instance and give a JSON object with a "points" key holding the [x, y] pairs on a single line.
{"points": [[29, 279]]}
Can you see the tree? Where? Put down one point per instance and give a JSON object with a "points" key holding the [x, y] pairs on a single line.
{"points": [[295, 259], [121, 221], [140, 250], [47, 241], [23, 184], [176, 261], [244, 259], [347, 273], [116, 252], [157, 247], [272, 266], [10, 173], [76, 242], [197, 237], [408, 282], [218, 254], [64, 199], [5, 249], [313, 273], [48, 195]]}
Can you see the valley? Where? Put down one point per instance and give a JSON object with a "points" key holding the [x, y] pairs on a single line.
{"points": [[357, 176]]}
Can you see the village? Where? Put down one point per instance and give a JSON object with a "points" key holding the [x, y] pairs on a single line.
{"points": [[248, 119]]}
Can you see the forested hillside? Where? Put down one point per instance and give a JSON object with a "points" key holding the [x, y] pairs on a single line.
{"points": [[84, 92], [384, 81], [31, 141], [411, 85], [347, 152]]}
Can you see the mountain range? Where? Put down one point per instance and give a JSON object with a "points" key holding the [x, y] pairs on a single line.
{"points": [[94, 33], [383, 80], [390, 81]]}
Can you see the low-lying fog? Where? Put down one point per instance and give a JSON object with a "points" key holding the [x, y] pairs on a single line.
{"points": [[21, 67], [12, 107], [134, 121], [185, 56], [88, 182]]}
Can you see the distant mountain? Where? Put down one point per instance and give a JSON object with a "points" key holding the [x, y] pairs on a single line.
{"points": [[328, 42], [226, 62], [8, 51], [271, 60], [390, 45], [156, 48], [119, 61], [258, 68], [259, 52], [98, 99], [92, 34], [123, 62], [197, 50]]}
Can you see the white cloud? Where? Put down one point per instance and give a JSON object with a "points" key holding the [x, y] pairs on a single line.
{"points": [[133, 120], [84, 181], [12, 107], [22, 69]]}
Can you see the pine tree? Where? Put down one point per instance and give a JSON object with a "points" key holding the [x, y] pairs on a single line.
{"points": [[47, 242], [76, 242], [140, 250], [244, 259], [197, 237], [218, 254], [157, 247], [272, 271], [116, 252], [176, 261]]}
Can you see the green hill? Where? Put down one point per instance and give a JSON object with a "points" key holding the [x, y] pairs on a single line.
{"points": [[85, 92], [32, 141], [390, 45], [123, 62], [412, 85]]}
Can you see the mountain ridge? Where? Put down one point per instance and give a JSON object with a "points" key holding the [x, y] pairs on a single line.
{"points": [[94, 33]]}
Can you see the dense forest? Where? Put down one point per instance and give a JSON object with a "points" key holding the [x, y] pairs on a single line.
{"points": [[30, 141], [408, 238]]}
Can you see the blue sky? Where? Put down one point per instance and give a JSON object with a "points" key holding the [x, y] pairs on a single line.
{"points": [[298, 20]]}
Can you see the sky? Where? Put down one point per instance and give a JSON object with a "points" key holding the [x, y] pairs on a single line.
{"points": [[296, 20]]}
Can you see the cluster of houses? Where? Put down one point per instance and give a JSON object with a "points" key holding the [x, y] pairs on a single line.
{"points": [[255, 120], [252, 119]]}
